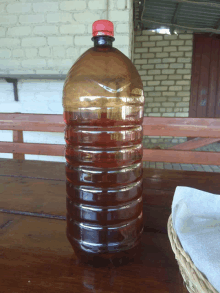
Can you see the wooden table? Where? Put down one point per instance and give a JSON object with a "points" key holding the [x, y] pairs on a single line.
{"points": [[35, 255]]}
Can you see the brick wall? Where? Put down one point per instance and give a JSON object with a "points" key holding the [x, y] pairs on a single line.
{"points": [[164, 63], [39, 36]]}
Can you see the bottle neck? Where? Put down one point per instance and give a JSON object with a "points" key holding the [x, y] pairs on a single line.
{"points": [[103, 41]]}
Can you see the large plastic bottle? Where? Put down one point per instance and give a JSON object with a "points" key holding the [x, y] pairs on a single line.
{"points": [[103, 111]]}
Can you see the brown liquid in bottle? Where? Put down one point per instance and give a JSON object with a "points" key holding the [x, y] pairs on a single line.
{"points": [[103, 103]]}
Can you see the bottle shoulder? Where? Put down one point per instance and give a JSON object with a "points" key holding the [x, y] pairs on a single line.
{"points": [[103, 77], [101, 64]]}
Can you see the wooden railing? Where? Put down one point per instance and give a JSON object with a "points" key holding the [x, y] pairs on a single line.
{"points": [[207, 129], [30, 122]]}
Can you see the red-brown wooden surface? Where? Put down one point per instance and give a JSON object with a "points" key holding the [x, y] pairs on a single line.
{"points": [[217, 103], [177, 156], [32, 122], [18, 138], [213, 78], [35, 255], [205, 85], [152, 155], [203, 90], [194, 144], [196, 60], [181, 127], [32, 148], [152, 126]]}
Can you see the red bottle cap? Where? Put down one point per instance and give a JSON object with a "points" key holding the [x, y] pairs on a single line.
{"points": [[103, 28]]}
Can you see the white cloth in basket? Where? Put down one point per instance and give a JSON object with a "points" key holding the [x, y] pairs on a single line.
{"points": [[196, 220]]}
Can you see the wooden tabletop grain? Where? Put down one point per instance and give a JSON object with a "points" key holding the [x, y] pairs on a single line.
{"points": [[35, 255]]}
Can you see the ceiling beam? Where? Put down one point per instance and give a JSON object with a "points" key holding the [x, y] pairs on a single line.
{"points": [[174, 18], [177, 9], [217, 25], [137, 13], [202, 3], [169, 25]]}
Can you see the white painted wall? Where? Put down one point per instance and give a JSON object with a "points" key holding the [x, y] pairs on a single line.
{"points": [[43, 37], [39, 36]]}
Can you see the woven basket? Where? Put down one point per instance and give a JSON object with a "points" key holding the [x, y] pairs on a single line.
{"points": [[194, 280]]}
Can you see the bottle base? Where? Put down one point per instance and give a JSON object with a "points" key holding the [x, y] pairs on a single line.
{"points": [[106, 259]]}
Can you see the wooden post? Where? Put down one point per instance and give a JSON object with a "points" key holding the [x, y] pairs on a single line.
{"points": [[18, 137]]}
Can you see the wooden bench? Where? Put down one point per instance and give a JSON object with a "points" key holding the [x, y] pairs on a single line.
{"points": [[30, 122], [156, 199], [207, 129], [33, 247]]}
